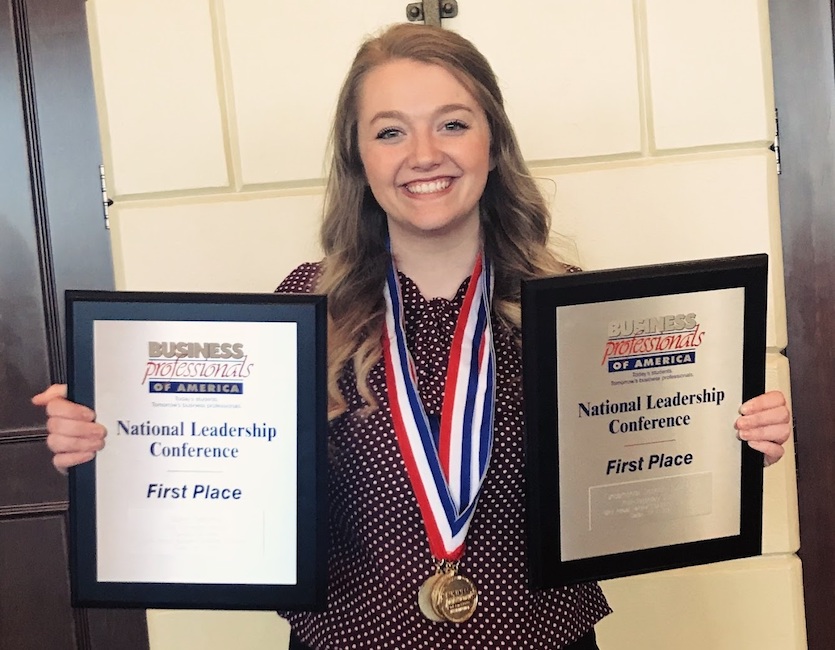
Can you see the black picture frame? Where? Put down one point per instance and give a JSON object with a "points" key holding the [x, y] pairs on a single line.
{"points": [[550, 566], [308, 313]]}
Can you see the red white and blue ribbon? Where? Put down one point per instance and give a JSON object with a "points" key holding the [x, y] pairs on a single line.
{"points": [[447, 471]]}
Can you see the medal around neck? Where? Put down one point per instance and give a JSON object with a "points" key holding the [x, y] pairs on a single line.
{"points": [[447, 471]]}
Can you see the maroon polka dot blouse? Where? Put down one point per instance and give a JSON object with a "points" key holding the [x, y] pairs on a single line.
{"points": [[379, 554]]}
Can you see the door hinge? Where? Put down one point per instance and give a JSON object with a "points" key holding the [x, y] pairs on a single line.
{"points": [[775, 146], [431, 11], [106, 201]]}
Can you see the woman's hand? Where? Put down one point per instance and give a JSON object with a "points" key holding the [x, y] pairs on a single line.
{"points": [[74, 435], [765, 423]]}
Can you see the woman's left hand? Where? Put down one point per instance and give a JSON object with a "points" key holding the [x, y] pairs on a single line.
{"points": [[765, 423]]}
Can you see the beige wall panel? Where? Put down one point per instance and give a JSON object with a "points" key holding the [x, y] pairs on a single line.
{"points": [[753, 604], [286, 62], [216, 630], [245, 244], [781, 523], [709, 74], [670, 210], [568, 70], [157, 87]]}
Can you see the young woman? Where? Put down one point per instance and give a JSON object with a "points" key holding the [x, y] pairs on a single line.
{"points": [[431, 222]]}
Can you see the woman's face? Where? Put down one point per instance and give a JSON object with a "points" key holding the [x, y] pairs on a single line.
{"points": [[425, 147]]}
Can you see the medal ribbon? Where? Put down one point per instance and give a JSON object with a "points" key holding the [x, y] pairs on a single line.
{"points": [[446, 475]]}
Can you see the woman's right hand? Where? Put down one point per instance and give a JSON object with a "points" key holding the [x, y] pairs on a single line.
{"points": [[74, 436]]}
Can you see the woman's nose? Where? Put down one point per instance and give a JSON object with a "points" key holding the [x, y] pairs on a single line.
{"points": [[425, 151]]}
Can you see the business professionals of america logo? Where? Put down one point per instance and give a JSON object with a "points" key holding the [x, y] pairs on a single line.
{"points": [[652, 342], [183, 367]]}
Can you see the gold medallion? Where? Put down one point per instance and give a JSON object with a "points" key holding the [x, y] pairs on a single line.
{"points": [[425, 598], [454, 597]]}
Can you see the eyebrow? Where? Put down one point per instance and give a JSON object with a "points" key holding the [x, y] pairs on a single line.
{"points": [[399, 115]]}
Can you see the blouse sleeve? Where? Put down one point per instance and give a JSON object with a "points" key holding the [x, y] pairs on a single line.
{"points": [[302, 279]]}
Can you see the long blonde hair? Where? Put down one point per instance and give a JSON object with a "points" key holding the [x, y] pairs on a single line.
{"points": [[515, 221]]}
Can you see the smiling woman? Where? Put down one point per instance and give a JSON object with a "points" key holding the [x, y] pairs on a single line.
{"points": [[431, 221]]}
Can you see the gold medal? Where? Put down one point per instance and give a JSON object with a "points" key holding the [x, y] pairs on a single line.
{"points": [[425, 598], [454, 597], [447, 596]]}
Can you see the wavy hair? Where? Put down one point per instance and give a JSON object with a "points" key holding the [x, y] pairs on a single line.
{"points": [[515, 221]]}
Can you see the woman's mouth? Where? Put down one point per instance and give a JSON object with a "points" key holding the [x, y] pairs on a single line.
{"points": [[428, 187]]}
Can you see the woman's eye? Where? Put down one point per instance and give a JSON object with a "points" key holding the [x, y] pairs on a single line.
{"points": [[455, 125], [388, 134]]}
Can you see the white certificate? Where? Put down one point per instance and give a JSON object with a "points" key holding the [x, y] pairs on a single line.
{"points": [[197, 481], [210, 491]]}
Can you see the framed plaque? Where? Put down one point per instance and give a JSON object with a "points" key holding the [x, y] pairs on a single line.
{"points": [[632, 379], [211, 489]]}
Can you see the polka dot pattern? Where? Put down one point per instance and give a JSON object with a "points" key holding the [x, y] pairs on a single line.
{"points": [[379, 555]]}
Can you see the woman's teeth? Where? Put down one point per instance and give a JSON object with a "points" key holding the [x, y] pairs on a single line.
{"points": [[428, 188]]}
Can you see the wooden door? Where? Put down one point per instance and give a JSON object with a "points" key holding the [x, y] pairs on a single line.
{"points": [[804, 77], [52, 237]]}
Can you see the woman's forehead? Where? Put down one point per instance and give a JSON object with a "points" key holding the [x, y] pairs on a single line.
{"points": [[406, 85]]}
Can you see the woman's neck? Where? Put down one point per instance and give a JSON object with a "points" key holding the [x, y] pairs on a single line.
{"points": [[437, 265]]}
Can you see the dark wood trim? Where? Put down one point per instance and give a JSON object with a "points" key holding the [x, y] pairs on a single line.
{"points": [[29, 509], [804, 78], [26, 73]]}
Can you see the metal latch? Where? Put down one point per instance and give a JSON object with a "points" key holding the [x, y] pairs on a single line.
{"points": [[431, 11]]}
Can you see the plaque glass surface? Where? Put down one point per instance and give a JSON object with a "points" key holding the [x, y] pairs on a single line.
{"points": [[633, 379], [210, 491]]}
